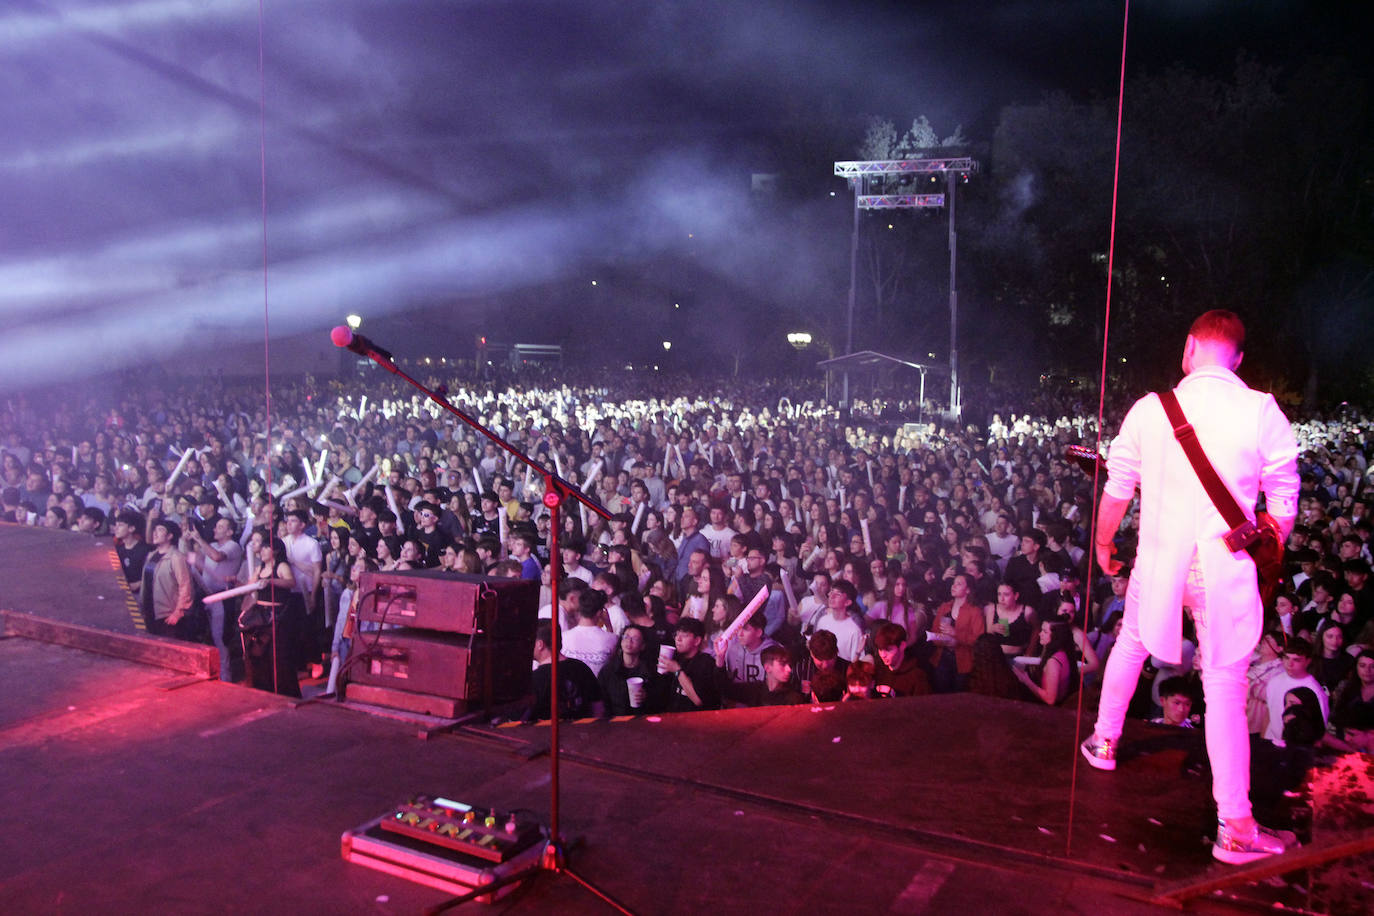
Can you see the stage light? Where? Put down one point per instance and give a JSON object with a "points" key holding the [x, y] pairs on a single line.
{"points": [[593, 283], [667, 345], [799, 339], [354, 321]]}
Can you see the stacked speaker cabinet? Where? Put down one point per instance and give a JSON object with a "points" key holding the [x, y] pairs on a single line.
{"points": [[466, 640]]}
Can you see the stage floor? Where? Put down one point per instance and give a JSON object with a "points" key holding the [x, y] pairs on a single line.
{"points": [[137, 789]]}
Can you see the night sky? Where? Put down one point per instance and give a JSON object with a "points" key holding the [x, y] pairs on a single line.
{"points": [[476, 159]]}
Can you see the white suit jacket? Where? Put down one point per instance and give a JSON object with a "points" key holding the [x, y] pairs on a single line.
{"points": [[1251, 444]]}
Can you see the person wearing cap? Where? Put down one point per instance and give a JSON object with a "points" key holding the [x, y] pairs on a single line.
{"points": [[168, 577], [429, 534]]}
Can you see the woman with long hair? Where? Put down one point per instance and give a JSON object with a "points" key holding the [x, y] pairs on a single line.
{"points": [[896, 605], [1013, 624], [959, 622], [1058, 668], [268, 619], [1331, 664]]}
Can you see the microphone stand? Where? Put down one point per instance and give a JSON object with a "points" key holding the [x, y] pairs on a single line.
{"points": [[556, 492]]}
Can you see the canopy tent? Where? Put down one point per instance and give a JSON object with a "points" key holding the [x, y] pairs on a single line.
{"points": [[875, 364]]}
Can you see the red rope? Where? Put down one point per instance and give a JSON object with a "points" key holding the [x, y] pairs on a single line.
{"points": [[1101, 400], [266, 326]]}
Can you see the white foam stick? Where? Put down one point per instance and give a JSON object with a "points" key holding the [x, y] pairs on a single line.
{"points": [[228, 503], [557, 465], [391, 501], [738, 466], [503, 528], [328, 487], [362, 406], [869, 466], [319, 467], [309, 473], [176, 471], [362, 482], [901, 498], [73, 454], [583, 507], [868, 544], [340, 506], [593, 475], [667, 455], [840, 496], [477, 479], [681, 465], [639, 517], [729, 632], [234, 592], [787, 590], [292, 494], [529, 478]]}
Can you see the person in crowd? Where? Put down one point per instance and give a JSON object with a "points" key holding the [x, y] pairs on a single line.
{"points": [[1297, 657], [1058, 667], [1182, 558], [268, 665], [1176, 699], [689, 678], [897, 668], [171, 591], [579, 693], [215, 564], [636, 659], [589, 642], [742, 657]]}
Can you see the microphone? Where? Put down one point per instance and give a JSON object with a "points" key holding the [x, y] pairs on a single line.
{"points": [[344, 336]]}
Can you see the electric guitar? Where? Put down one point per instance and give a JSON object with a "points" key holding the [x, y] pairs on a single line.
{"points": [[1260, 538]]}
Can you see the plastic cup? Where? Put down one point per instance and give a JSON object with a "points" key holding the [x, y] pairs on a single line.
{"points": [[665, 653], [636, 687]]}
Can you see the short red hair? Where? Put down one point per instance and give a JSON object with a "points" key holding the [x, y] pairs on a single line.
{"points": [[1221, 326]]}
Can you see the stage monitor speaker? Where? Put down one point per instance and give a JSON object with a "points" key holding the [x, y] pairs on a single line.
{"points": [[441, 664], [432, 599]]}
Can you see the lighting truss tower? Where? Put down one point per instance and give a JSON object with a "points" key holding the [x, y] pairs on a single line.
{"points": [[858, 174]]}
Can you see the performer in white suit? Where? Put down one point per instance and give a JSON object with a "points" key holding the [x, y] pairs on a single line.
{"points": [[1184, 561]]}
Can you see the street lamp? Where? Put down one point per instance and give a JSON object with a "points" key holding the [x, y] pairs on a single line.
{"points": [[354, 321], [799, 339]]}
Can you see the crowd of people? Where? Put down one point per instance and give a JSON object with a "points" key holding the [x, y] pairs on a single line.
{"points": [[881, 558]]}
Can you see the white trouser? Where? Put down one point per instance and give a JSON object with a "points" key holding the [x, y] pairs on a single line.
{"points": [[1225, 687]]}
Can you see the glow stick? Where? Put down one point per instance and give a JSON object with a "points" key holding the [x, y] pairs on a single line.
{"points": [[639, 517], [529, 477], [391, 501], [557, 465], [869, 467], [682, 465], [503, 529], [868, 544], [294, 493], [840, 492], [333, 482], [176, 472], [738, 466], [477, 479], [228, 503], [362, 481], [729, 632], [234, 592], [667, 456], [340, 506], [901, 498], [362, 407], [592, 477], [319, 468], [787, 590]]}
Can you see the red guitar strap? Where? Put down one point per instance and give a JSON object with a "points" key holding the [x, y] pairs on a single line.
{"points": [[1211, 482]]}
